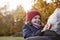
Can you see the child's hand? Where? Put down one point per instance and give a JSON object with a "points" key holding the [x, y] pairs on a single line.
{"points": [[47, 27]]}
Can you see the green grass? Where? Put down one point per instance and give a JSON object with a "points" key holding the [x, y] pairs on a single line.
{"points": [[11, 38]]}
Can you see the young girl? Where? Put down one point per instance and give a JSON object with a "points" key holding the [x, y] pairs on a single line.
{"points": [[33, 26]]}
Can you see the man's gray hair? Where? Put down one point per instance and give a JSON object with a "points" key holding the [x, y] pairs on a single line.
{"points": [[54, 19]]}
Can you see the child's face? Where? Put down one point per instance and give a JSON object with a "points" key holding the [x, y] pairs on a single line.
{"points": [[36, 19]]}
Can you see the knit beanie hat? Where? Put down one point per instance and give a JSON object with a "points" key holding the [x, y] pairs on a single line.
{"points": [[31, 14], [54, 19]]}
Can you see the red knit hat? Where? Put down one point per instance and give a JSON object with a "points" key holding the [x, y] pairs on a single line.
{"points": [[31, 14]]}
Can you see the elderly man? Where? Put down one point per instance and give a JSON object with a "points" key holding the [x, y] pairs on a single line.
{"points": [[54, 19]]}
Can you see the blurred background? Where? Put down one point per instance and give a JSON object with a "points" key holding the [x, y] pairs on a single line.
{"points": [[13, 12]]}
